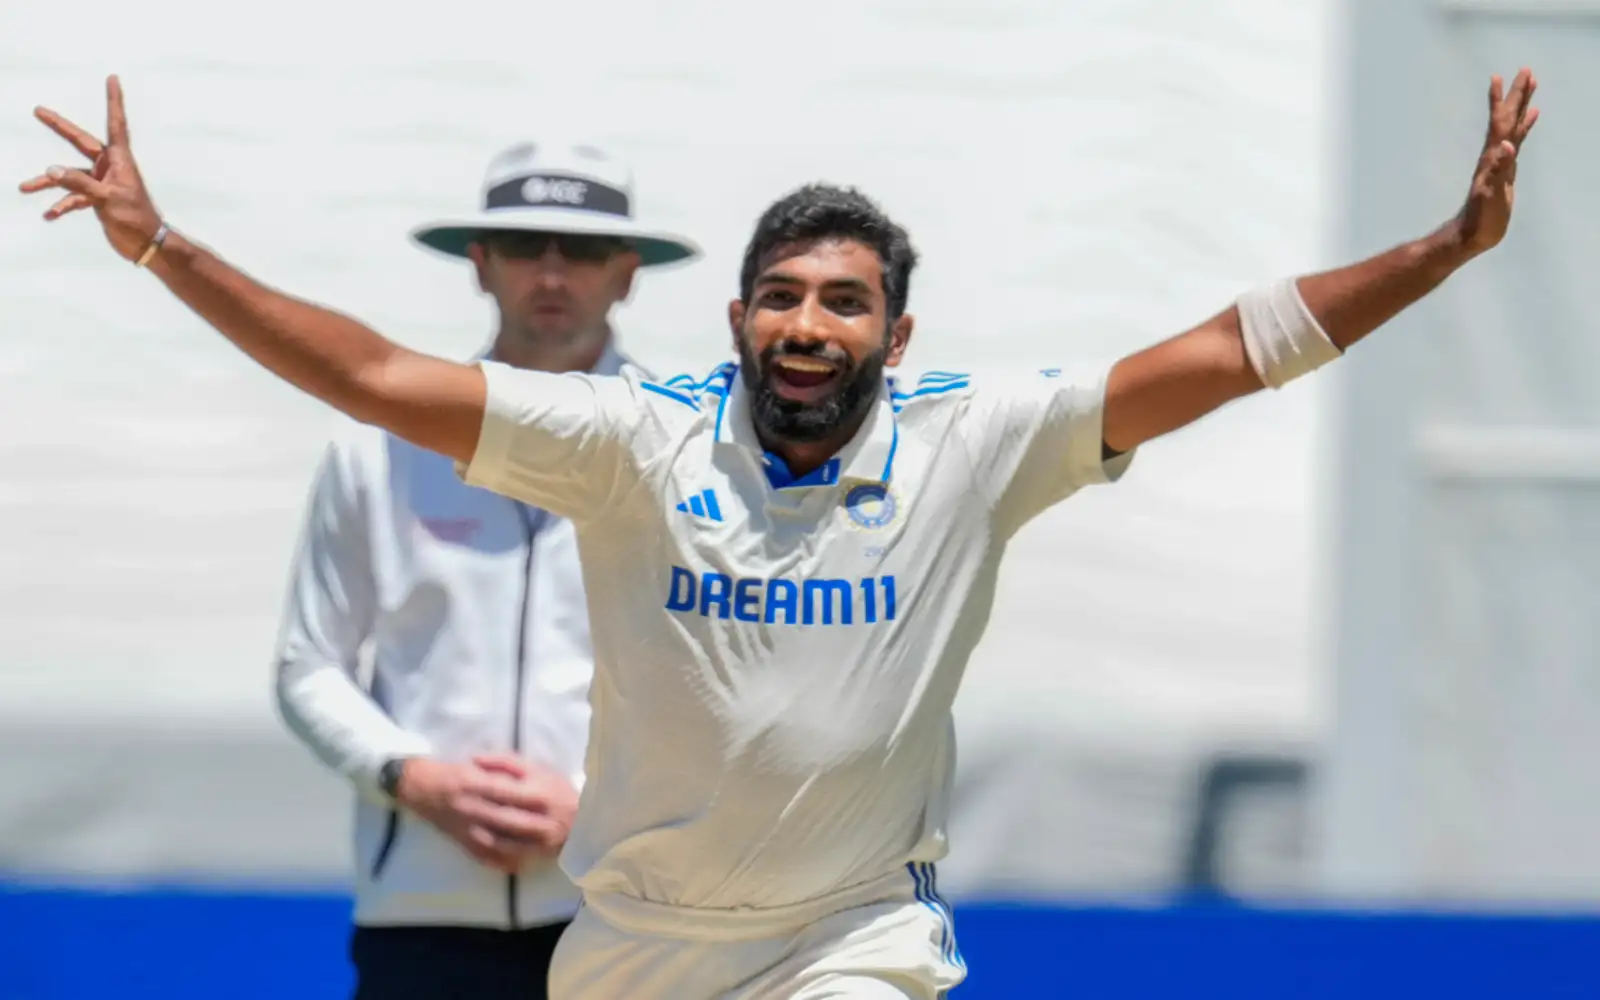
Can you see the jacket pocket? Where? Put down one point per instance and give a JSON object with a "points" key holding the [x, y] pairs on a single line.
{"points": [[391, 833]]}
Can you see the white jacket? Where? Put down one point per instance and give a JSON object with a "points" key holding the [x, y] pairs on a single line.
{"points": [[472, 608]]}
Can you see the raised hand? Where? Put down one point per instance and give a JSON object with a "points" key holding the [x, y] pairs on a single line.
{"points": [[1484, 218], [110, 185]]}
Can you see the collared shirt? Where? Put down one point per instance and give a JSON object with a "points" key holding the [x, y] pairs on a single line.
{"points": [[776, 658]]}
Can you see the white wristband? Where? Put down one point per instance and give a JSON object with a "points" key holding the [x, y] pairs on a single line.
{"points": [[1281, 337]]}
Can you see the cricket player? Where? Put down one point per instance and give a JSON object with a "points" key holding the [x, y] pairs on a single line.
{"points": [[788, 559]]}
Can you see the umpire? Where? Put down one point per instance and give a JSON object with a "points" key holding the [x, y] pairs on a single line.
{"points": [[466, 746]]}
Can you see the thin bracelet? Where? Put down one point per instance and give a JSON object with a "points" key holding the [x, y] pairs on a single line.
{"points": [[155, 244]]}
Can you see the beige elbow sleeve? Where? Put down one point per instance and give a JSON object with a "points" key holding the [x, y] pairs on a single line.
{"points": [[1281, 337]]}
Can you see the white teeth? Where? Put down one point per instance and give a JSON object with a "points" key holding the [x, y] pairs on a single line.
{"points": [[806, 365]]}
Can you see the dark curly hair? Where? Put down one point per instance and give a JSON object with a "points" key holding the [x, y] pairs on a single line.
{"points": [[823, 211]]}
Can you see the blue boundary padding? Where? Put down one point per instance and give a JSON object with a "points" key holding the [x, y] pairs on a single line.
{"points": [[77, 943]]}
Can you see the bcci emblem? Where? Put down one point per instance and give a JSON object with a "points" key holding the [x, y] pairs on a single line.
{"points": [[871, 506]]}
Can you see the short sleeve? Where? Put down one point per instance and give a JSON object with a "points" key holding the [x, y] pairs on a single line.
{"points": [[559, 441], [1037, 437]]}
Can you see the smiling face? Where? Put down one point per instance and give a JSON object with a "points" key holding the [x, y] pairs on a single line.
{"points": [[821, 312], [814, 338]]}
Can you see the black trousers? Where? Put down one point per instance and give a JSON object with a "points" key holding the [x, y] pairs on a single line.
{"points": [[452, 963]]}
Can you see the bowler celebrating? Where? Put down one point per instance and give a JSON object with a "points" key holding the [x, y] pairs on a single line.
{"points": [[789, 559]]}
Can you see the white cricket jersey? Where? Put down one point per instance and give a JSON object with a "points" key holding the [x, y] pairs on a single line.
{"points": [[776, 658]]}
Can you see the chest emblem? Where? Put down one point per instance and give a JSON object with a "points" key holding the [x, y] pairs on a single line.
{"points": [[871, 507]]}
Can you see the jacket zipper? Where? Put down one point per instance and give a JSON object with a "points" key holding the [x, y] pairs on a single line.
{"points": [[391, 831], [529, 517]]}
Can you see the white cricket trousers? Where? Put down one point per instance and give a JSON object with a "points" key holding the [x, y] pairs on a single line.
{"points": [[897, 946]]}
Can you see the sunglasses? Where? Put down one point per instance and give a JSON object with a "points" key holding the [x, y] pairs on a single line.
{"points": [[579, 248]]}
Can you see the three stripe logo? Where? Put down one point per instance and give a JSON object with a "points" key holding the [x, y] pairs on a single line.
{"points": [[703, 504]]}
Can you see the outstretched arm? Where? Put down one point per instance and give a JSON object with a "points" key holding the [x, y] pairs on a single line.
{"points": [[1282, 332], [434, 403]]}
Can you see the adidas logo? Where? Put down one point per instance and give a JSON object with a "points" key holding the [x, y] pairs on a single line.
{"points": [[702, 504]]}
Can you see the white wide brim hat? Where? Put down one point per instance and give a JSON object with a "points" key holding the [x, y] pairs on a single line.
{"points": [[557, 189]]}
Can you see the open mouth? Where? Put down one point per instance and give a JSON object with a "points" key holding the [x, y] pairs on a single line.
{"points": [[803, 379]]}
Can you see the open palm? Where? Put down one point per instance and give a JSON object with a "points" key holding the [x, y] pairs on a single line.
{"points": [[1487, 213]]}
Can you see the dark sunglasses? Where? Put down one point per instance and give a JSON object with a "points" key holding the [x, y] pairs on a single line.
{"points": [[579, 248]]}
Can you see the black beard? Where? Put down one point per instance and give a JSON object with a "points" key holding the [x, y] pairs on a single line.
{"points": [[785, 420]]}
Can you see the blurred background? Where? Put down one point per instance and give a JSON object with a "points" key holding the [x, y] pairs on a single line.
{"points": [[1308, 706]]}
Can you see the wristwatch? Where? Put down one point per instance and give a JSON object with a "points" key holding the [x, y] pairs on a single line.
{"points": [[389, 777]]}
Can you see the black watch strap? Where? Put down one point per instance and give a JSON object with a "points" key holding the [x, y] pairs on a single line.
{"points": [[389, 777]]}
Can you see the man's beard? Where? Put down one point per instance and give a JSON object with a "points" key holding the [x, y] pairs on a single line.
{"points": [[787, 420]]}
